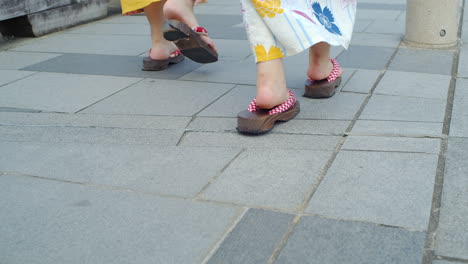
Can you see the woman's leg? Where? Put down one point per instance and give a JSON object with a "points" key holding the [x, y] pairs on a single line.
{"points": [[161, 49], [182, 10], [271, 84], [320, 66]]}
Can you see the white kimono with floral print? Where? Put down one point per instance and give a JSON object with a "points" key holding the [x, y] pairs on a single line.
{"points": [[278, 28]]}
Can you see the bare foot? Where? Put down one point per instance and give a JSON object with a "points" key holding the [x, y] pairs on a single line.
{"points": [[271, 84], [162, 50], [182, 10]]}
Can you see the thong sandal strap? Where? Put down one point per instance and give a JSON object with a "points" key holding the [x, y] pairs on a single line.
{"points": [[253, 107]]}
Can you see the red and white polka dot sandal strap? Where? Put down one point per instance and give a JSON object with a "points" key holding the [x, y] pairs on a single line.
{"points": [[200, 31], [253, 107], [335, 72]]}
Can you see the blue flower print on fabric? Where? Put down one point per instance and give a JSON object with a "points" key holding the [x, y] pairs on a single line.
{"points": [[326, 18]]}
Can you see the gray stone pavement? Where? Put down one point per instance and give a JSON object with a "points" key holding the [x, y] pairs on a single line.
{"points": [[101, 162]]}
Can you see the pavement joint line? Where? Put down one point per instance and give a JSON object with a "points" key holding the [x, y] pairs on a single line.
{"points": [[104, 98], [279, 247], [450, 259], [215, 177], [149, 193], [364, 222], [359, 134], [440, 174], [226, 234], [87, 127], [404, 121], [214, 101], [391, 151], [24, 77]]}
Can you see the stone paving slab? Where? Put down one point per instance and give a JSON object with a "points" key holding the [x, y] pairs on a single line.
{"points": [[376, 57], [397, 128], [445, 262], [236, 72], [387, 26], [422, 60], [124, 66], [50, 222], [376, 40], [452, 231], [295, 126], [380, 187], [400, 144], [422, 85], [319, 240], [276, 178], [84, 120], [17, 60], [231, 103], [8, 76], [89, 44], [71, 92], [360, 25], [342, 106], [254, 238], [378, 14], [399, 108], [279, 141], [109, 136], [463, 63], [362, 81], [163, 170], [103, 28], [459, 122], [161, 97]]}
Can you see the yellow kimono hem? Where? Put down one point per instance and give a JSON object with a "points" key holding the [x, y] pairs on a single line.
{"points": [[130, 7]]}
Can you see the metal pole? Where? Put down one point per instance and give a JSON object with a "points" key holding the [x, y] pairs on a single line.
{"points": [[432, 23]]}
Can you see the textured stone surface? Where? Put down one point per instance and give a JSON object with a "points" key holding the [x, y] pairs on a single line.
{"points": [[71, 92], [362, 81], [397, 128], [8, 76], [50, 222], [161, 97], [270, 141], [421, 60], [89, 44], [376, 57], [452, 232], [463, 62], [401, 144], [113, 65], [399, 108], [257, 178], [17, 60], [163, 170], [379, 187], [115, 136], [254, 238], [343, 106], [319, 240], [85, 120], [423, 85], [459, 122], [376, 40]]}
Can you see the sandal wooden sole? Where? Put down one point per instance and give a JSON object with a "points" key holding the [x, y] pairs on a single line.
{"points": [[321, 89], [190, 43], [159, 65], [261, 122]]}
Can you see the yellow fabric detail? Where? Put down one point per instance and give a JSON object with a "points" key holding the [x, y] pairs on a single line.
{"points": [[269, 8], [272, 54], [130, 6]]}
